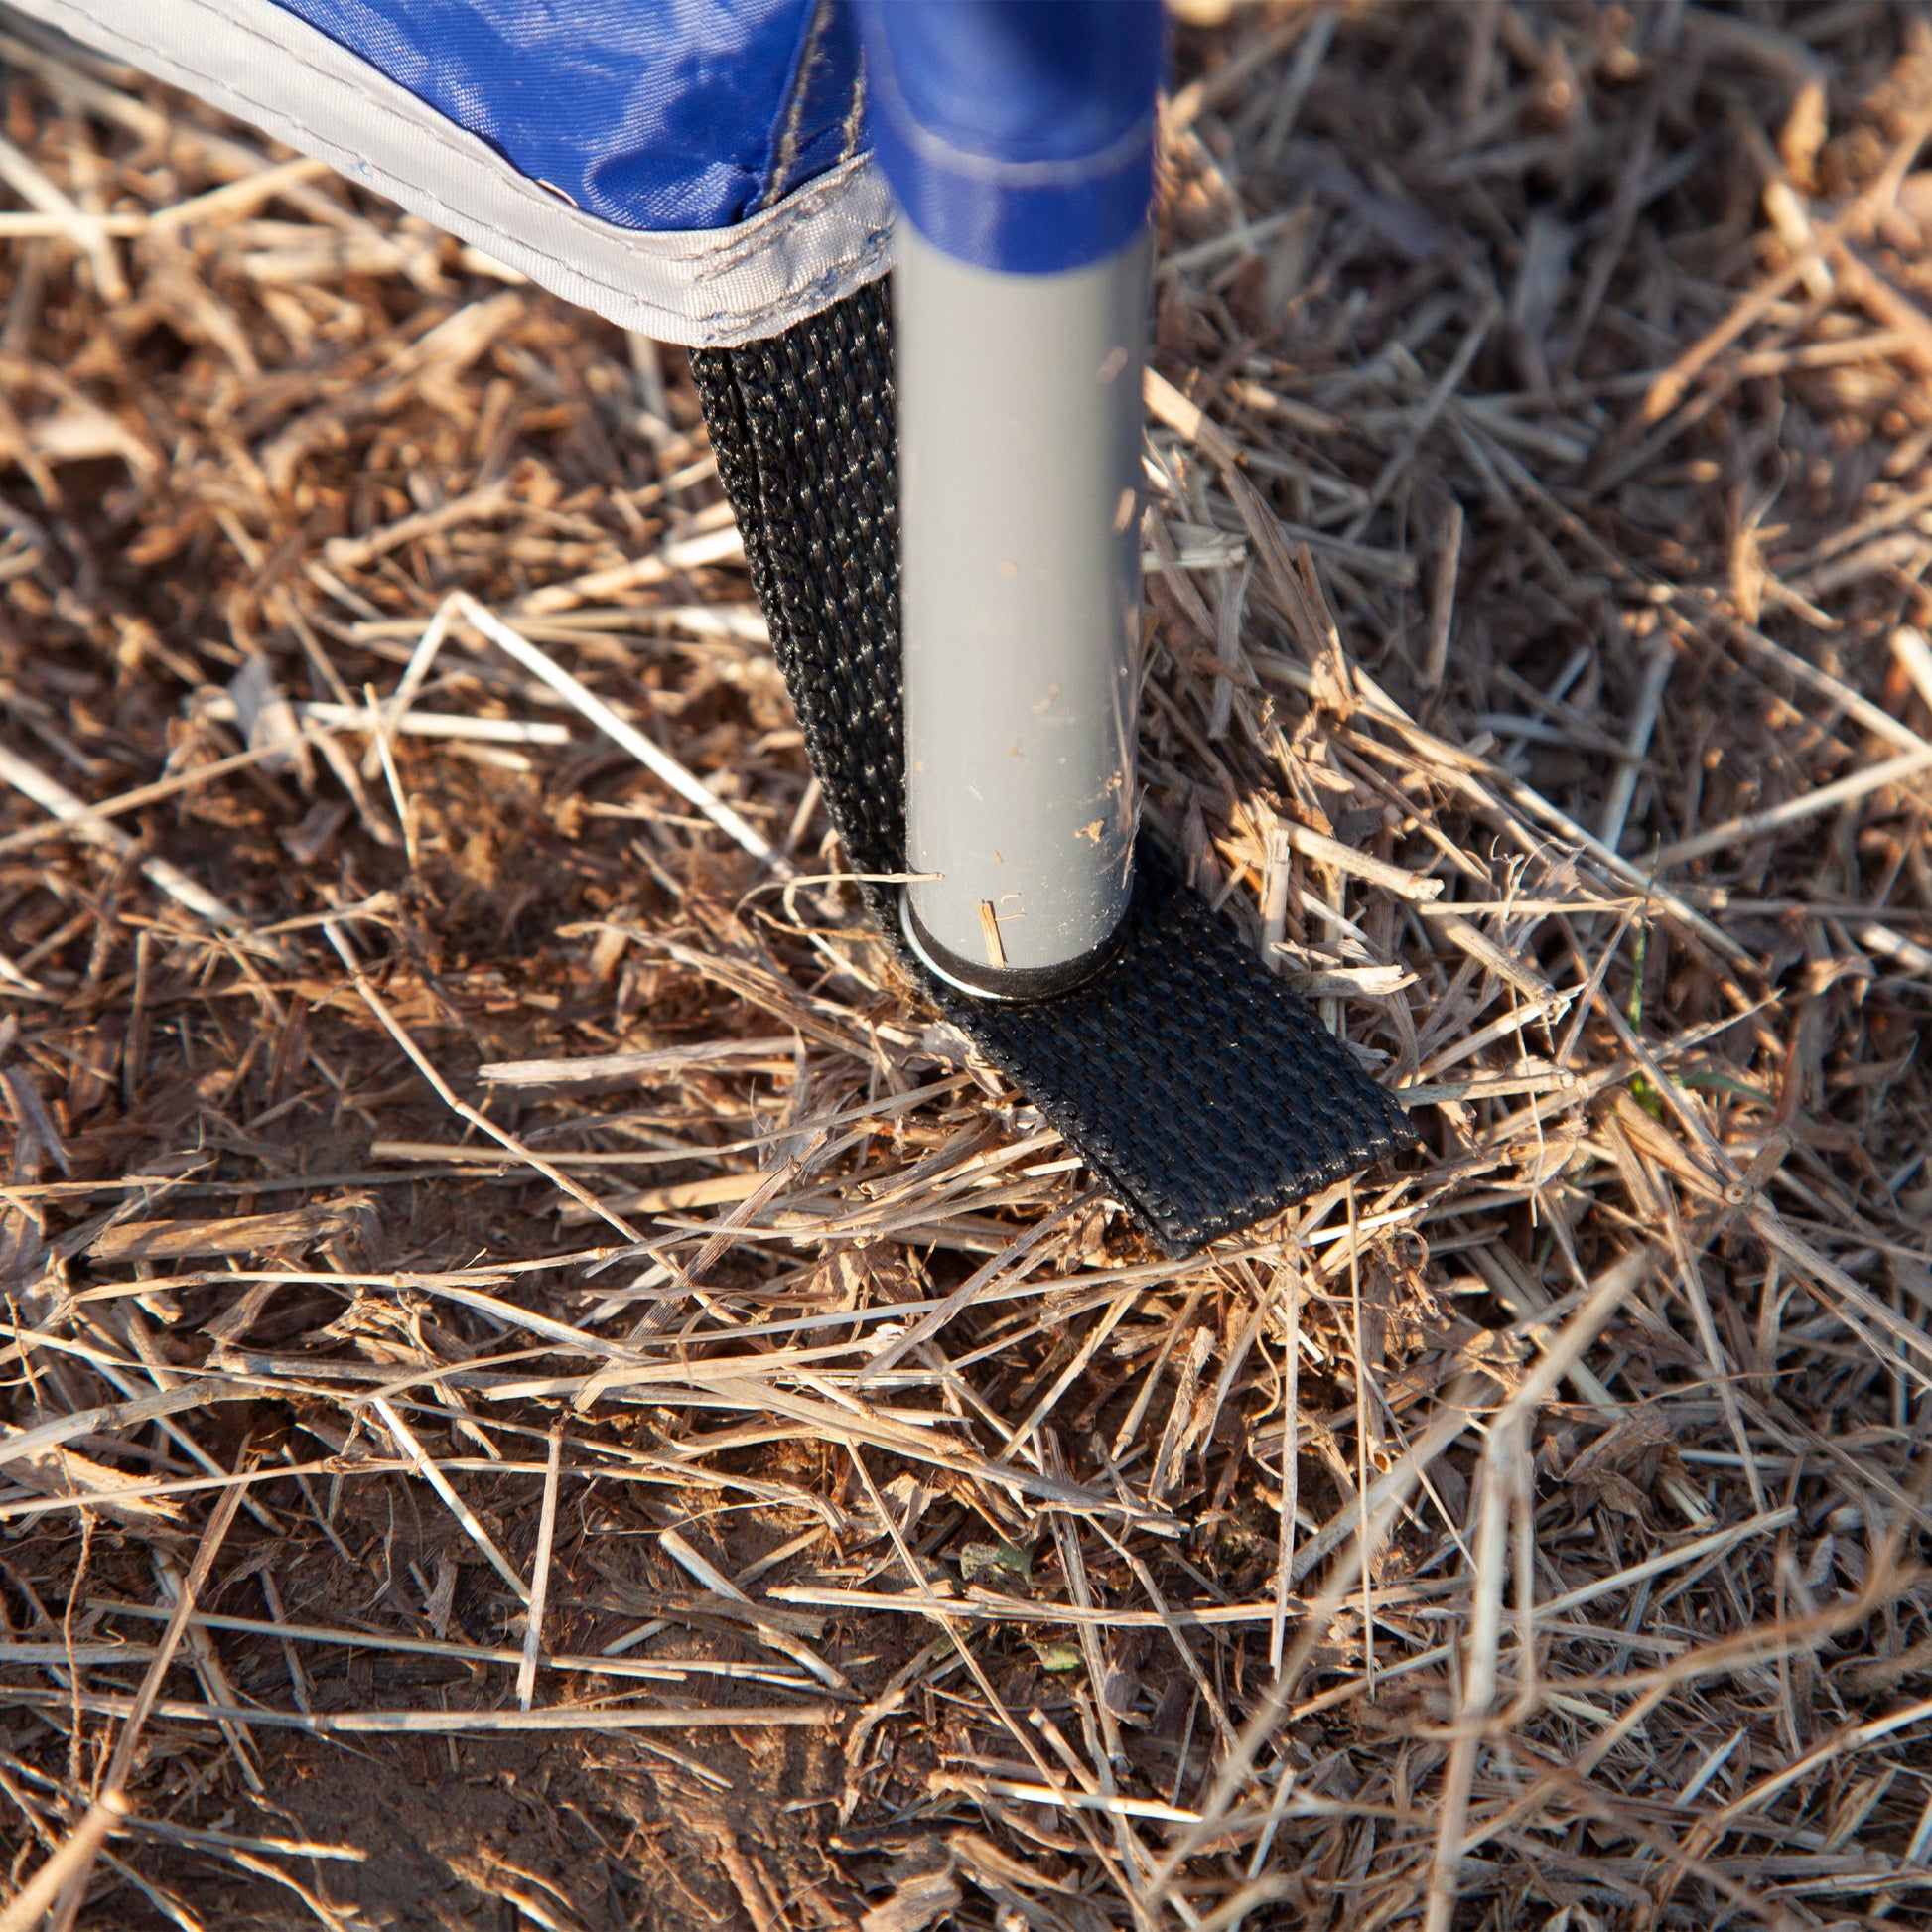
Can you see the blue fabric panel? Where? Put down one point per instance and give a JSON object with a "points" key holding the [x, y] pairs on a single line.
{"points": [[827, 97], [669, 114], [1016, 134]]}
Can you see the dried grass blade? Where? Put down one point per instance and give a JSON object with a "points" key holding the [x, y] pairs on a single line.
{"points": [[687, 784], [526, 1670], [72, 812], [464, 1514], [338, 939], [64, 1874]]}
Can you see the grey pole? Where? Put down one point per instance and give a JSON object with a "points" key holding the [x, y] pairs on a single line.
{"points": [[1018, 400]]}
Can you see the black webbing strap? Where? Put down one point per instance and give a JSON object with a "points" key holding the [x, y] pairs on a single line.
{"points": [[1202, 1093]]}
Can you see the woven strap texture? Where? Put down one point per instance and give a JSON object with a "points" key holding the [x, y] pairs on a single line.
{"points": [[1202, 1093]]}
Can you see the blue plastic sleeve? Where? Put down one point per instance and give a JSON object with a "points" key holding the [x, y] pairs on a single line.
{"points": [[1016, 134]]}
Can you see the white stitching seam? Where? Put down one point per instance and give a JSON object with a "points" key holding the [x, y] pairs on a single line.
{"points": [[707, 256], [798, 95]]}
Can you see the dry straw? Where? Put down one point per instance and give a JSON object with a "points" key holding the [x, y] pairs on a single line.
{"points": [[506, 1298]]}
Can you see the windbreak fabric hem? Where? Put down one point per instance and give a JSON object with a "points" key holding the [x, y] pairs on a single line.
{"points": [[704, 288]]}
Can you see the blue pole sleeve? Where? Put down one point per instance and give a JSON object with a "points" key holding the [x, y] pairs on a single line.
{"points": [[1016, 134]]}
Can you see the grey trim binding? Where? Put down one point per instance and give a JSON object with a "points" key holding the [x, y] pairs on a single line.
{"points": [[712, 288]]}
